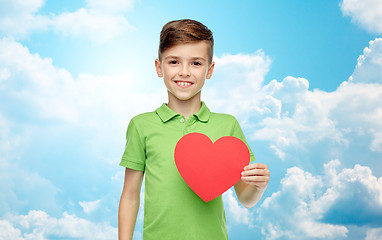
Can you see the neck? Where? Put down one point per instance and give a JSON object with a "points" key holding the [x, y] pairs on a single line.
{"points": [[185, 108]]}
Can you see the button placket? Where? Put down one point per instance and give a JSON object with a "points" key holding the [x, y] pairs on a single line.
{"points": [[183, 124], [188, 126]]}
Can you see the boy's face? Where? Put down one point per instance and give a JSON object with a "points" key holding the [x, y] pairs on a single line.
{"points": [[184, 69]]}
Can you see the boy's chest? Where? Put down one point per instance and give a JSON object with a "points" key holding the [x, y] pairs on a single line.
{"points": [[161, 142], [160, 146]]}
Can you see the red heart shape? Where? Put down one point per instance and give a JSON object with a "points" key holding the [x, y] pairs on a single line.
{"points": [[210, 169]]}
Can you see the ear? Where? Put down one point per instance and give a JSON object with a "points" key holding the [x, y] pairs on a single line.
{"points": [[158, 68], [210, 70]]}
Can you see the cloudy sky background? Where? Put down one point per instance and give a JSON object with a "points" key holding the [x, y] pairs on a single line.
{"points": [[304, 79]]}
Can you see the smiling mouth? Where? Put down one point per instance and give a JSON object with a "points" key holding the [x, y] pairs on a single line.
{"points": [[183, 83]]}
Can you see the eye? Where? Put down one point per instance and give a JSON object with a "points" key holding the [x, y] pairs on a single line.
{"points": [[173, 62], [196, 63]]}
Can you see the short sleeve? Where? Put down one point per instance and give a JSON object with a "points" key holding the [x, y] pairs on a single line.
{"points": [[237, 132], [134, 156]]}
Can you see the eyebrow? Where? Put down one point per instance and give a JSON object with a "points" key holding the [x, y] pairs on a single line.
{"points": [[193, 58], [199, 58]]}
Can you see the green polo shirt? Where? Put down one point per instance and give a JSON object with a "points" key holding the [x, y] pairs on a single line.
{"points": [[171, 209]]}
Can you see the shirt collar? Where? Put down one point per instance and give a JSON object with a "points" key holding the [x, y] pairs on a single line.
{"points": [[165, 113], [203, 114]]}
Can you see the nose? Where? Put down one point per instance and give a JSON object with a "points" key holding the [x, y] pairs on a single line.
{"points": [[184, 70]]}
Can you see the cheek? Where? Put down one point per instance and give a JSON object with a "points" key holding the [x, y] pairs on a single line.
{"points": [[203, 73], [169, 72]]}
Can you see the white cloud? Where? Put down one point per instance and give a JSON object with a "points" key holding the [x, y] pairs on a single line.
{"points": [[274, 112], [354, 196], [97, 25], [90, 206], [40, 98], [321, 207], [21, 189], [288, 213], [32, 80], [235, 85], [46, 103], [111, 6], [19, 18], [37, 90], [374, 234], [285, 113], [367, 13], [7, 231], [301, 118], [39, 225], [357, 111], [7, 140], [369, 64], [100, 20], [239, 214], [290, 116]]}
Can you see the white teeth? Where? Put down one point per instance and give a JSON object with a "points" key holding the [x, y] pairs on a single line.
{"points": [[184, 84]]}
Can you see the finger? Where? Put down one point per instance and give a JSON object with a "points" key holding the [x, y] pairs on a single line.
{"points": [[256, 172], [253, 179], [261, 184], [253, 172], [258, 184], [256, 165]]}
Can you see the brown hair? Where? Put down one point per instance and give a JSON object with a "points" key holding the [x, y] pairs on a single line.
{"points": [[185, 31]]}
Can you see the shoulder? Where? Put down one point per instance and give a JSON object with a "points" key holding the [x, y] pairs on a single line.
{"points": [[144, 116], [143, 119], [223, 120], [223, 117]]}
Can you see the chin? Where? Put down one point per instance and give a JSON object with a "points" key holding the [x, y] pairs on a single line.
{"points": [[184, 98]]}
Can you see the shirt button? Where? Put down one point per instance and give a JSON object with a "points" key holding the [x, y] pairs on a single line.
{"points": [[182, 120]]}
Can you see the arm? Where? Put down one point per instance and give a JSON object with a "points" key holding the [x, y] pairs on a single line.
{"points": [[254, 181], [129, 204]]}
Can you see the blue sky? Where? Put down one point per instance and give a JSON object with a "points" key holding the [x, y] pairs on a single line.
{"points": [[304, 79]]}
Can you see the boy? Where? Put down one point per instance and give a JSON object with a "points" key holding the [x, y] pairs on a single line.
{"points": [[172, 210]]}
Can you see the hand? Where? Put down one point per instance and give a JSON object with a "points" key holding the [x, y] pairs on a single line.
{"points": [[256, 174]]}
